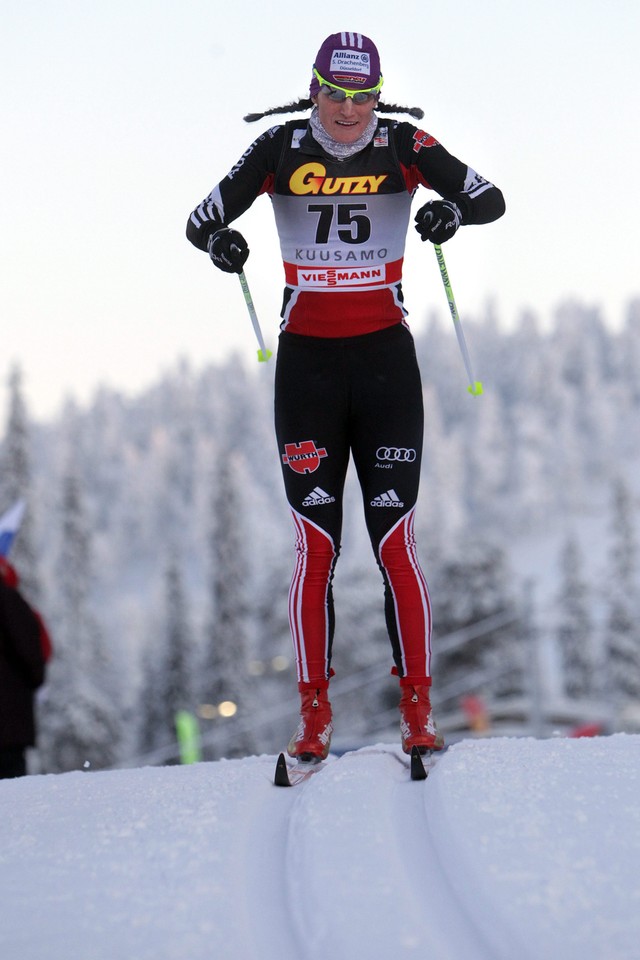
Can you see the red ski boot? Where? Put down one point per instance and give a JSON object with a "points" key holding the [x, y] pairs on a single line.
{"points": [[416, 723], [311, 741]]}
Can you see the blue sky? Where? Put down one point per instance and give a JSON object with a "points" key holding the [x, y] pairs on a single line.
{"points": [[119, 117]]}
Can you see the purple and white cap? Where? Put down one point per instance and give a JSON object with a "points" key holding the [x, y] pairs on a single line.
{"points": [[348, 60]]}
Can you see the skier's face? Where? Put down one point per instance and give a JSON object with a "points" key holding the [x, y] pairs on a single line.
{"points": [[344, 120]]}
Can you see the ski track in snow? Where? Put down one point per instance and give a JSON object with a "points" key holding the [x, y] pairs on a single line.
{"points": [[512, 848], [269, 910], [393, 901]]}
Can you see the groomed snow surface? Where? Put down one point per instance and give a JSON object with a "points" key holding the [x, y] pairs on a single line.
{"points": [[513, 848]]}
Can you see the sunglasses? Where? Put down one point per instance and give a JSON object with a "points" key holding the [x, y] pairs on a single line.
{"points": [[340, 94]]}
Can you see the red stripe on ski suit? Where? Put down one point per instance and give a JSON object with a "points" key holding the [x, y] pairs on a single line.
{"points": [[410, 593], [309, 599]]}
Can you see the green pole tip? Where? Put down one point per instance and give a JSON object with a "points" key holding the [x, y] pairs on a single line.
{"points": [[475, 389], [263, 356]]}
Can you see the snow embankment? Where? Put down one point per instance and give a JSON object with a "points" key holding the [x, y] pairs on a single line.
{"points": [[511, 848], [541, 842]]}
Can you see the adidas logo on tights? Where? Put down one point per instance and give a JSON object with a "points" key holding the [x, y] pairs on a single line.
{"points": [[317, 497], [388, 499]]}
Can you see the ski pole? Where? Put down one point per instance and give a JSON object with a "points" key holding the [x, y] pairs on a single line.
{"points": [[263, 353], [475, 387]]}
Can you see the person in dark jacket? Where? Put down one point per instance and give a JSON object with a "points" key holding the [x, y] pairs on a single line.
{"points": [[25, 647]]}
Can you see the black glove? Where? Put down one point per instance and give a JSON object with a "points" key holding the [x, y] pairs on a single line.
{"points": [[228, 249], [438, 220]]}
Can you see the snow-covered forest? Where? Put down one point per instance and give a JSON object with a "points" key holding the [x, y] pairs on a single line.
{"points": [[158, 546]]}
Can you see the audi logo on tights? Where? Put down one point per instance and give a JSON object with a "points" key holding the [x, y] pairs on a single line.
{"points": [[399, 454]]}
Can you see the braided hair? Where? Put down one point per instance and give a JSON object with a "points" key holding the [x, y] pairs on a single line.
{"points": [[307, 104]]}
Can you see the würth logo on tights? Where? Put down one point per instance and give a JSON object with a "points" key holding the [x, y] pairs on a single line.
{"points": [[303, 457]]}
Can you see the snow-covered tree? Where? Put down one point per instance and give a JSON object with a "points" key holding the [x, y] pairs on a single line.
{"points": [[486, 459], [168, 684], [622, 630], [81, 715], [225, 675], [575, 624], [472, 586], [442, 507]]}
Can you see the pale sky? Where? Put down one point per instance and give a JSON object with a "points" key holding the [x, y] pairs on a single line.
{"points": [[118, 117]]}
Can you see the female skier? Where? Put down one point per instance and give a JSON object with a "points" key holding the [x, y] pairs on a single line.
{"points": [[347, 382]]}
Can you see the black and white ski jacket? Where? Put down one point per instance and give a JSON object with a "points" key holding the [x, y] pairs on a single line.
{"points": [[342, 224]]}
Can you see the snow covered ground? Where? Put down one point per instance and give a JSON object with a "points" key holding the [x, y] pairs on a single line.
{"points": [[513, 848]]}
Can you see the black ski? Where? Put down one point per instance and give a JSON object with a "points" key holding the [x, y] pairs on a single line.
{"points": [[286, 776], [418, 769], [289, 776], [281, 778]]}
